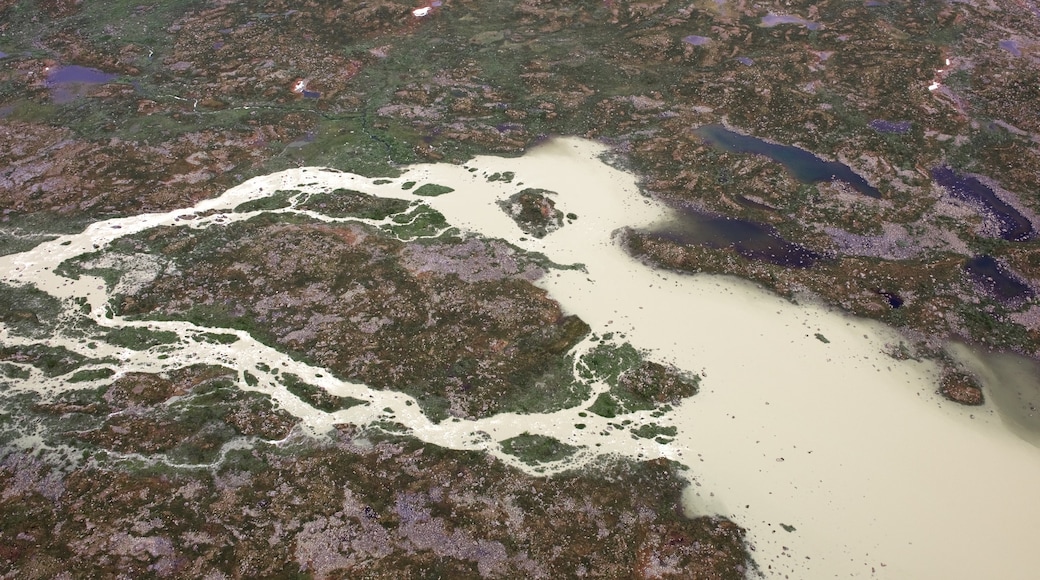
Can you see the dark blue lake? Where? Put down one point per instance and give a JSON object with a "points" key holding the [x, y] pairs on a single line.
{"points": [[996, 279], [1013, 226], [749, 239], [801, 164]]}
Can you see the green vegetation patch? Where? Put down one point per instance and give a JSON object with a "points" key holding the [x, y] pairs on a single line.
{"points": [[342, 203], [655, 431], [555, 389], [636, 384], [422, 221], [52, 360], [534, 449], [14, 371], [15, 243], [28, 311], [607, 405], [432, 190], [504, 176], [138, 338], [216, 338], [277, 200], [318, 397], [91, 375], [75, 267]]}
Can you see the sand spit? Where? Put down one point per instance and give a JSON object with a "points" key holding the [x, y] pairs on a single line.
{"points": [[839, 460]]}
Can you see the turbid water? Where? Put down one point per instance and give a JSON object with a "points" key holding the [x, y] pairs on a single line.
{"points": [[838, 459]]}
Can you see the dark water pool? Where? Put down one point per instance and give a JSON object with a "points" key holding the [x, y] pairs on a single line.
{"points": [[894, 300], [69, 82], [883, 126], [1013, 226], [803, 165], [1010, 46], [996, 279], [749, 239]]}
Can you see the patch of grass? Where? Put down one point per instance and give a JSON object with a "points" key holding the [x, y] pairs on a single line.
{"points": [[216, 338], [318, 397], [52, 360], [349, 203], [277, 200], [505, 176], [534, 449], [606, 362], [91, 375], [607, 406], [636, 384], [654, 431], [422, 221], [13, 371], [432, 190], [137, 338], [28, 311], [553, 390]]}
